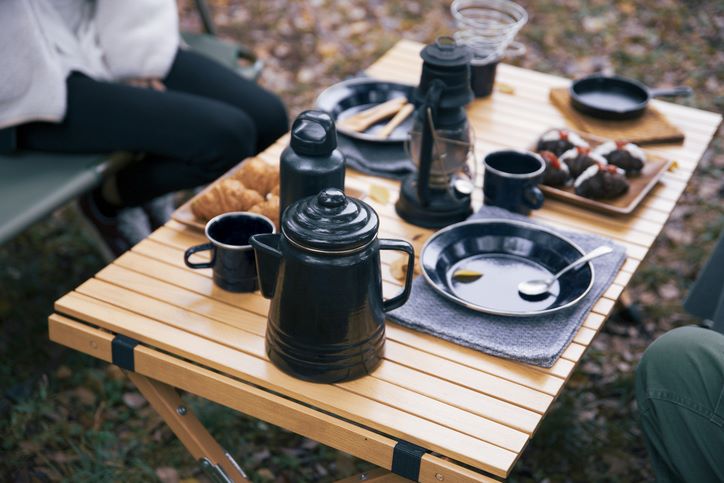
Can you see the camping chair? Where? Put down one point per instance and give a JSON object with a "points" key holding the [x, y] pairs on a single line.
{"points": [[34, 184], [706, 297]]}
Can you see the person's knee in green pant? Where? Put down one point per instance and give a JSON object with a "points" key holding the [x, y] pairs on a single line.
{"points": [[680, 394]]}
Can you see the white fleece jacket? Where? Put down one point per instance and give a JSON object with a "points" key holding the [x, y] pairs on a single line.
{"points": [[116, 40]]}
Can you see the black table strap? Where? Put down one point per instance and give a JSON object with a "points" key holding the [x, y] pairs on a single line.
{"points": [[122, 352], [406, 459]]}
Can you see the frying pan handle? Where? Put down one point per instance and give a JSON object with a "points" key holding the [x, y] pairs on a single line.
{"points": [[683, 91]]}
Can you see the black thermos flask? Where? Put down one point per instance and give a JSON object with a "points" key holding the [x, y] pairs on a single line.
{"points": [[312, 161]]}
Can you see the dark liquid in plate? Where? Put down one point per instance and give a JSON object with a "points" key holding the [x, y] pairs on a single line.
{"points": [[497, 289]]}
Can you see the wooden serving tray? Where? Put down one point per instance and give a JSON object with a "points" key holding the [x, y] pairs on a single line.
{"points": [[639, 186]]}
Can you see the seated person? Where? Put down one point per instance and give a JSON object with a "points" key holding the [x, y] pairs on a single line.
{"points": [[680, 388], [96, 76]]}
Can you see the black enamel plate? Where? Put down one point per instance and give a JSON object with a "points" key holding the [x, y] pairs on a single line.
{"points": [[506, 253], [355, 95]]}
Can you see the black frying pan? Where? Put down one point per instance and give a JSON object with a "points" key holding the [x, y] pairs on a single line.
{"points": [[612, 97]]}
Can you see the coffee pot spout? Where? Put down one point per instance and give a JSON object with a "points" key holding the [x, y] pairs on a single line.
{"points": [[268, 256]]}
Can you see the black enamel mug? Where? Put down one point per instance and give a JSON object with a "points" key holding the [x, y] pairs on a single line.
{"points": [[511, 180], [232, 257]]}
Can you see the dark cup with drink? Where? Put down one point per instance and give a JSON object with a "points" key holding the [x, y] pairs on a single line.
{"points": [[487, 28], [511, 180], [232, 257]]}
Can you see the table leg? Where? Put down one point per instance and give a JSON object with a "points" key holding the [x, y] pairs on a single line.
{"points": [[215, 461], [629, 310]]}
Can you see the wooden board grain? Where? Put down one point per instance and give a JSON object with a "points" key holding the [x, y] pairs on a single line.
{"points": [[651, 128]]}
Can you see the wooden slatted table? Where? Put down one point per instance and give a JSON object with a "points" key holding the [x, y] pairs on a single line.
{"points": [[473, 412]]}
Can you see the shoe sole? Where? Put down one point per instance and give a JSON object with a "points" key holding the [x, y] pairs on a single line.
{"points": [[95, 235]]}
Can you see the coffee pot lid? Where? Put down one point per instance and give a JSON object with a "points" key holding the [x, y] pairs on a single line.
{"points": [[330, 221]]}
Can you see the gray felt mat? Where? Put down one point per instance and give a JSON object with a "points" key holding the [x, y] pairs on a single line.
{"points": [[538, 340]]}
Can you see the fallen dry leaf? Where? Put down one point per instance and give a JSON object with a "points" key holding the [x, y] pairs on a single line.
{"points": [[134, 400], [669, 291], [114, 372], [63, 372], [167, 474], [85, 396], [265, 474]]}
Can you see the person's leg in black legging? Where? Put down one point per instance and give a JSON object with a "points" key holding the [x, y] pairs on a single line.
{"points": [[196, 74], [189, 140]]}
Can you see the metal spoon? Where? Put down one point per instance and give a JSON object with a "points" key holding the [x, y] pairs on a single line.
{"points": [[539, 287]]}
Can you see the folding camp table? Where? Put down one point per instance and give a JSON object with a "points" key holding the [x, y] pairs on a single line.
{"points": [[433, 411]]}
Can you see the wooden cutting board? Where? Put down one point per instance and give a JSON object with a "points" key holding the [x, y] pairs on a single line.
{"points": [[651, 128]]}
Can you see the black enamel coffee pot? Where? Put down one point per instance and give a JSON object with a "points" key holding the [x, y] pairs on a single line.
{"points": [[323, 276], [440, 138]]}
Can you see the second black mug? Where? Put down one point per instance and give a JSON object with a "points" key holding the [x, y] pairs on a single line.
{"points": [[511, 180], [232, 257]]}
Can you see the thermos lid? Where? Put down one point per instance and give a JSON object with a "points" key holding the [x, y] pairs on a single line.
{"points": [[330, 221], [314, 134]]}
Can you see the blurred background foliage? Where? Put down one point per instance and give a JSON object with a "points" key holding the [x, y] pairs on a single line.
{"points": [[66, 416]]}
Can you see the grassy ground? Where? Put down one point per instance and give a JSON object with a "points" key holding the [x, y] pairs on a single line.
{"points": [[65, 416]]}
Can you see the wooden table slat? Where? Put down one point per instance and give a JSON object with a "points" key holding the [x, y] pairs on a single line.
{"points": [[506, 369], [406, 53], [548, 116], [256, 402], [173, 238], [167, 264], [177, 239], [328, 397], [167, 301]]}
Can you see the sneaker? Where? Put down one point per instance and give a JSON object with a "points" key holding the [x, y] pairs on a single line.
{"points": [[116, 233], [133, 224], [159, 210]]}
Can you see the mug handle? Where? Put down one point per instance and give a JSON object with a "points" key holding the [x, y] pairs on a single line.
{"points": [[533, 197], [199, 248], [402, 297]]}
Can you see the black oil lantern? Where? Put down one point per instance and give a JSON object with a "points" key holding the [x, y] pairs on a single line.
{"points": [[440, 143]]}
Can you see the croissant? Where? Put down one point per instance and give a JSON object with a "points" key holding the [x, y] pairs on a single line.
{"points": [[226, 195], [269, 208], [258, 175]]}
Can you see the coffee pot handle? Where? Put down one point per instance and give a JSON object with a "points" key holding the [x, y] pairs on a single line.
{"points": [[401, 245]]}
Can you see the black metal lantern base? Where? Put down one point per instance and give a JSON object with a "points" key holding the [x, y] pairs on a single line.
{"points": [[444, 208]]}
